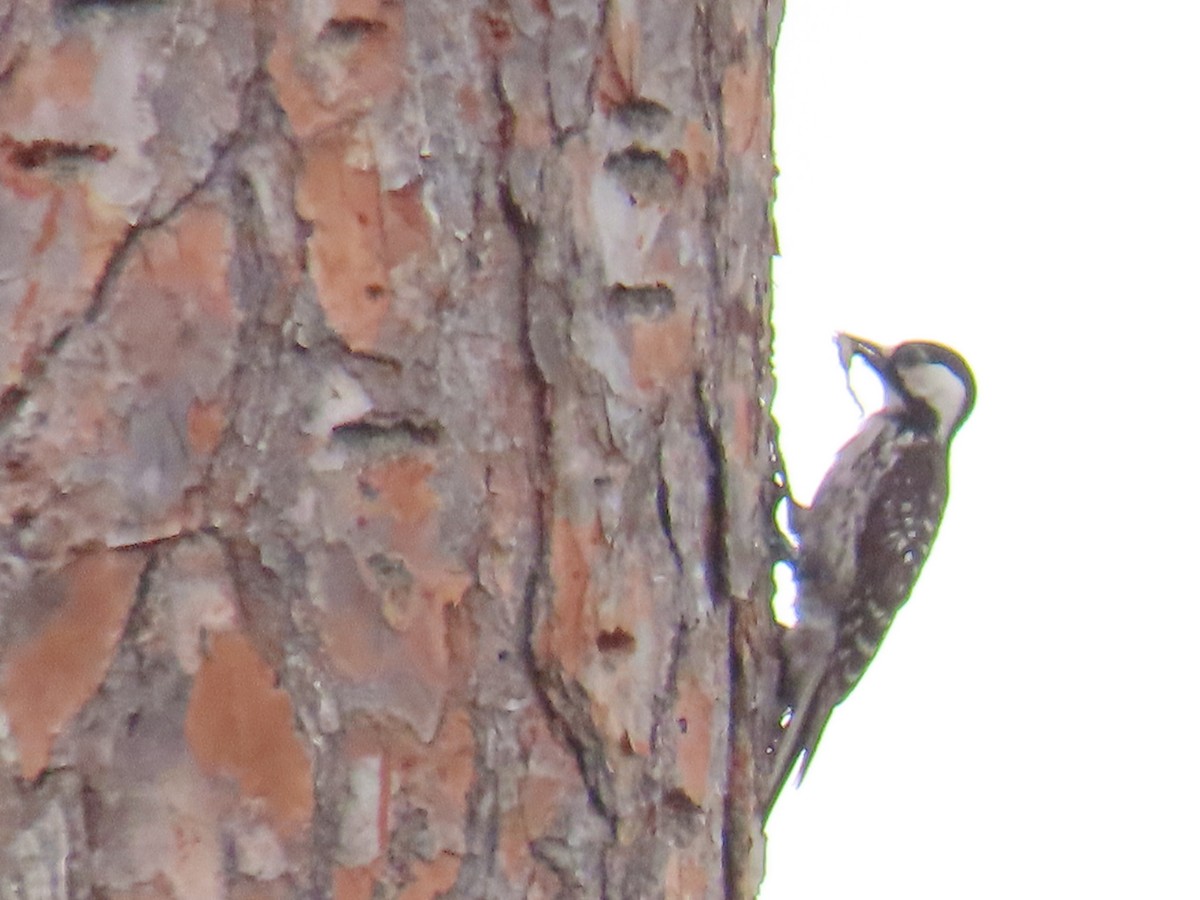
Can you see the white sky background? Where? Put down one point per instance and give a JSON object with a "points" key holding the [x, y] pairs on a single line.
{"points": [[1020, 180]]}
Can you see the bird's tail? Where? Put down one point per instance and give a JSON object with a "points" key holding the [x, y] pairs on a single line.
{"points": [[796, 748], [811, 698]]}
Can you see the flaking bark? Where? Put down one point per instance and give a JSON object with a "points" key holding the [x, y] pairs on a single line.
{"points": [[386, 459]]}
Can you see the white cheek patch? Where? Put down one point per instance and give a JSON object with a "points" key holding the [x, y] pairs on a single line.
{"points": [[942, 389]]}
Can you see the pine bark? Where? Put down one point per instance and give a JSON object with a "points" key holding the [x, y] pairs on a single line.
{"points": [[386, 464]]}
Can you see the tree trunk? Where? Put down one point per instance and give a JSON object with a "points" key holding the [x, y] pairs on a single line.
{"points": [[386, 461]]}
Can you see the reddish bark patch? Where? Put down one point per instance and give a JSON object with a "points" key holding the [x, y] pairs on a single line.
{"points": [[745, 99], [353, 883], [694, 742], [403, 488], [569, 635], [746, 412], [432, 879], [240, 724], [615, 85], [59, 77], [257, 890], [406, 222], [343, 203], [407, 498], [662, 351], [205, 424], [47, 678], [699, 150]]}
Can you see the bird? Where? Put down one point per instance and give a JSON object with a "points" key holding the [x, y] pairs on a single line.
{"points": [[862, 542]]}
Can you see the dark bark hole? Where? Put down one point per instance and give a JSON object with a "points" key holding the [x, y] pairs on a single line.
{"points": [[646, 174], [349, 29], [643, 115], [47, 152], [616, 640], [647, 300]]}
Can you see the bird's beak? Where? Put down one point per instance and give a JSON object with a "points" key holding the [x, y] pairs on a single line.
{"points": [[874, 355]]}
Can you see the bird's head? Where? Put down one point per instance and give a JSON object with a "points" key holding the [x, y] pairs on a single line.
{"points": [[928, 384]]}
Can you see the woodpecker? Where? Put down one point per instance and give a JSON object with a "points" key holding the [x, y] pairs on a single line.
{"points": [[863, 541]]}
